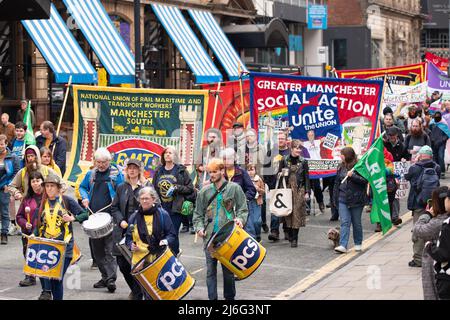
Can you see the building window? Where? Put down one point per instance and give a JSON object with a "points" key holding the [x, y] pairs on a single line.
{"points": [[340, 53]]}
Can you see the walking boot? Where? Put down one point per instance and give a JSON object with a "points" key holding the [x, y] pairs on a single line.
{"points": [[294, 242], [4, 238], [274, 235], [28, 281], [287, 234], [322, 207]]}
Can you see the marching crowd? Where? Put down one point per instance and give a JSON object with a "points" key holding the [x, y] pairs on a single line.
{"points": [[230, 182]]}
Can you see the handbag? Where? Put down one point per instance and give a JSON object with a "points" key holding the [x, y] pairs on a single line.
{"points": [[280, 204]]}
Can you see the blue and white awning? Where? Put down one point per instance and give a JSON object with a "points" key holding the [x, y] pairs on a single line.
{"points": [[185, 40], [218, 42], [97, 27], [60, 49]]}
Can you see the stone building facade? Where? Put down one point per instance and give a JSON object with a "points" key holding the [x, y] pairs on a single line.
{"points": [[390, 29]]}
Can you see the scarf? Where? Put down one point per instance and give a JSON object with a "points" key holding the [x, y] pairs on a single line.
{"points": [[153, 239]]}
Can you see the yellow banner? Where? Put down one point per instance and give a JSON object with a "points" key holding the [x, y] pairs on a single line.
{"points": [[45, 258]]}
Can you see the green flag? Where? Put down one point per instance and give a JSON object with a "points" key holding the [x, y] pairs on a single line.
{"points": [[29, 135], [371, 167]]}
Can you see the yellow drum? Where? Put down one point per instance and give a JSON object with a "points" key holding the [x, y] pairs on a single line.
{"points": [[165, 278], [45, 258], [236, 250], [76, 254]]}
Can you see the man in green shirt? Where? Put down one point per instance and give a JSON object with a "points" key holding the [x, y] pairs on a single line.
{"points": [[218, 203]]}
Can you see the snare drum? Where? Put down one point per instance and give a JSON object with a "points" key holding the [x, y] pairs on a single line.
{"points": [[98, 225]]}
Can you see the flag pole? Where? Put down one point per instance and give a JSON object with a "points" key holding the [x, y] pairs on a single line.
{"points": [[242, 94], [63, 107]]}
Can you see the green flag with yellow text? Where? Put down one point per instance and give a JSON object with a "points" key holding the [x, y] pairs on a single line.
{"points": [[29, 135], [371, 167]]}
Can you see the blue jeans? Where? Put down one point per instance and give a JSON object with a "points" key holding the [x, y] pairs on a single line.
{"points": [[4, 203], [253, 225], [438, 157], [56, 286], [176, 218], [350, 216], [274, 223], [229, 288]]}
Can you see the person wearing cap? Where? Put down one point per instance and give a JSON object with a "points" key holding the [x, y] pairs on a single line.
{"points": [[58, 227], [97, 191], [394, 145], [21, 113], [439, 136], [125, 203], [392, 120], [416, 139], [420, 191]]}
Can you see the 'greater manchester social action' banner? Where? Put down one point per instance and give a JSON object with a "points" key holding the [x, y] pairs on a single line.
{"points": [[134, 123], [326, 114]]}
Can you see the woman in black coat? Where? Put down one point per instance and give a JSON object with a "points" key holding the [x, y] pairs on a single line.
{"points": [[125, 203], [350, 196]]}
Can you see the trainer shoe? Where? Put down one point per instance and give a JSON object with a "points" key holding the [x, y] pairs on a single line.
{"points": [[94, 265], [414, 264], [340, 249], [358, 248], [180, 251], [274, 236], [184, 229]]}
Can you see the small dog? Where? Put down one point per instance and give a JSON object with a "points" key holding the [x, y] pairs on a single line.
{"points": [[334, 235]]}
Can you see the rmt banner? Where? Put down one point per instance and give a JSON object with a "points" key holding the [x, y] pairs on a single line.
{"points": [[326, 114]]}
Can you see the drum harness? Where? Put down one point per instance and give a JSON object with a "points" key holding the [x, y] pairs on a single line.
{"points": [[222, 187]]}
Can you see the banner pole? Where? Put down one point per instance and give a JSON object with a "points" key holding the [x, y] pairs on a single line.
{"points": [[63, 107], [377, 129], [242, 94]]}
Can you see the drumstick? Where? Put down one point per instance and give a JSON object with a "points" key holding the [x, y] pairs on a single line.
{"points": [[195, 237]]}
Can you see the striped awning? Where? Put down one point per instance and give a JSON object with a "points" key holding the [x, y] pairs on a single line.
{"points": [[60, 49], [108, 45], [218, 42], [187, 43]]}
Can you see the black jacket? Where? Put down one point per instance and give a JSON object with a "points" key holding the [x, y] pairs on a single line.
{"points": [[185, 188], [437, 137], [59, 155], [413, 175], [119, 210], [398, 151], [355, 190]]}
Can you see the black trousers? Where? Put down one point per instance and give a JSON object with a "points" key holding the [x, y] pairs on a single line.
{"points": [[125, 268]]}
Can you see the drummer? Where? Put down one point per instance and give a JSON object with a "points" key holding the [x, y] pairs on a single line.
{"points": [[26, 216], [217, 203], [145, 238], [125, 203], [59, 227]]}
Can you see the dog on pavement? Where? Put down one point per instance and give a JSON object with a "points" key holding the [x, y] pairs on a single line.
{"points": [[334, 235]]}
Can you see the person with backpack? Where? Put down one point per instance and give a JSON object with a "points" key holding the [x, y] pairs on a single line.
{"points": [[174, 186], [424, 178], [97, 191]]}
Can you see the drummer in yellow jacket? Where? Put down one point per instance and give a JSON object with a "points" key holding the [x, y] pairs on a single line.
{"points": [[218, 203]]}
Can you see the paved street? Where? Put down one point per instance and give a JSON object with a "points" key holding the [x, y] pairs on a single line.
{"points": [[283, 271]]}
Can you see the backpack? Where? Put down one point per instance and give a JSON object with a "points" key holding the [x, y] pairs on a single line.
{"points": [[427, 182]]}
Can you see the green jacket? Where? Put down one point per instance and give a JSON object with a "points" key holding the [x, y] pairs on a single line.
{"points": [[233, 199]]}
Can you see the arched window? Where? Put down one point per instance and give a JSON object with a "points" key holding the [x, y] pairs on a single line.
{"points": [[123, 27]]}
